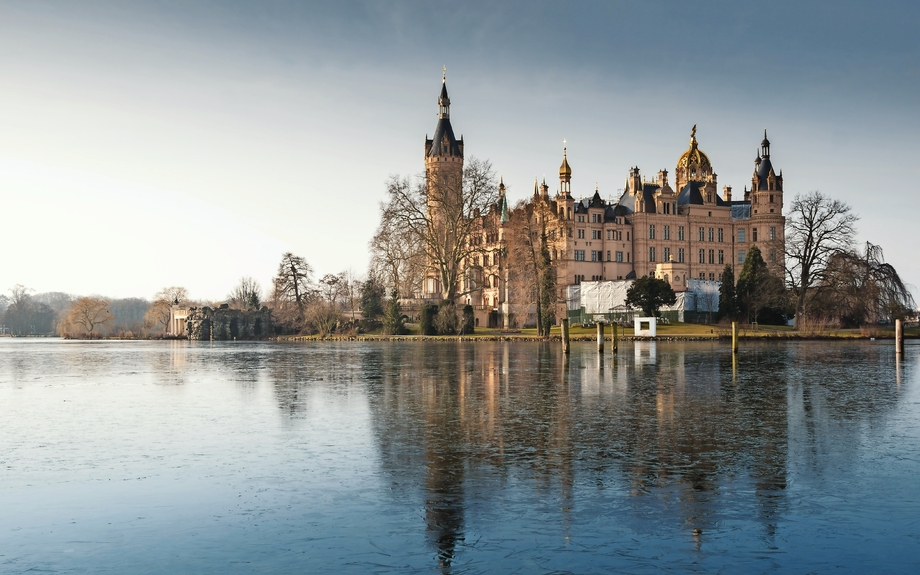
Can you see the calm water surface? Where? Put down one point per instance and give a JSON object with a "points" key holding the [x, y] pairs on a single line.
{"points": [[178, 457]]}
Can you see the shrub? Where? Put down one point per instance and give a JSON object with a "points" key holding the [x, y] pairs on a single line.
{"points": [[446, 321], [427, 316], [469, 320]]}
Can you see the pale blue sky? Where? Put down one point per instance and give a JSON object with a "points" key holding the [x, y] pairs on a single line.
{"points": [[146, 144]]}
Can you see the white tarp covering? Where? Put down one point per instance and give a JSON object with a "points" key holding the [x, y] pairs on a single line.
{"points": [[610, 296], [706, 294], [573, 297], [604, 297]]}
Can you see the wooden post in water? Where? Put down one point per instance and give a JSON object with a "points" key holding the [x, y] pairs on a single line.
{"points": [[616, 337], [898, 337], [734, 337], [565, 336], [600, 336]]}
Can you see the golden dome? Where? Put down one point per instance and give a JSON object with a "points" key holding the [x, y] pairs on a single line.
{"points": [[565, 170], [694, 158]]}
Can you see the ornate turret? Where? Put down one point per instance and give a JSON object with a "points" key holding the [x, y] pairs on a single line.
{"points": [[565, 174], [764, 177], [693, 165], [766, 195]]}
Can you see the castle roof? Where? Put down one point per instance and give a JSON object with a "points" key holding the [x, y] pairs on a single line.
{"points": [[692, 193], [565, 170], [443, 142], [694, 156]]}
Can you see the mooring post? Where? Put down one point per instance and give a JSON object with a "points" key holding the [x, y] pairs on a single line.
{"points": [[734, 337], [600, 336], [565, 336], [616, 336], [898, 337]]}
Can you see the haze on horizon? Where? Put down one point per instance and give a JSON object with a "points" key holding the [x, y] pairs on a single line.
{"points": [[144, 145]]}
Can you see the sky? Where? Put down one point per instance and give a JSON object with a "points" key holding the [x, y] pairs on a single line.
{"points": [[191, 143]]}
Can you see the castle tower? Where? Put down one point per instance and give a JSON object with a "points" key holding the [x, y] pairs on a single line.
{"points": [[766, 197], [766, 186], [443, 177], [444, 152]]}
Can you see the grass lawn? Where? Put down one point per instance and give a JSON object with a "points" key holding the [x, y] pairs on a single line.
{"points": [[689, 330]]}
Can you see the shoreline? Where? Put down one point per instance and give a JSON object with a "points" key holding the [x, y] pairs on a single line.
{"points": [[585, 338]]}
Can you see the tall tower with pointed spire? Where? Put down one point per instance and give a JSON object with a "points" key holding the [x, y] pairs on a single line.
{"points": [[443, 151]]}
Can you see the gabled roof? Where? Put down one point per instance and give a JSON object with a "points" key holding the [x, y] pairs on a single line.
{"points": [[648, 196], [692, 193], [623, 207], [596, 201]]}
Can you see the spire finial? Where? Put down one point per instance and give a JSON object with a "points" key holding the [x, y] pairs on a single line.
{"points": [[563, 146], [444, 76]]}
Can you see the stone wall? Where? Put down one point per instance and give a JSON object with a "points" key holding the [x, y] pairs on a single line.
{"points": [[224, 324]]}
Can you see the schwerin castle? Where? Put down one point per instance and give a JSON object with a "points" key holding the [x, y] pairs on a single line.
{"points": [[688, 231]]}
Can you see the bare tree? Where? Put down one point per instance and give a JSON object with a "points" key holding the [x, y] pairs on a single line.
{"points": [[128, 314], [860, 288], [159, 311], [333, 288], [86, 314], [246, 295], [817, 227], [397, 256], [443, 216], [292, 289], [351, 290], [322, 316], [18, 311], [530, 240]]}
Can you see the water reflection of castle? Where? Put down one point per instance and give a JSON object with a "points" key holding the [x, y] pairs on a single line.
{"points": [[473, 414]]}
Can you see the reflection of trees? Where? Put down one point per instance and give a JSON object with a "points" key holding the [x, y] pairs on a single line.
{"points": [[677, 429]]}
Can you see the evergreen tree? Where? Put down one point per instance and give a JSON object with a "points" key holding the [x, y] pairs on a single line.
{"points": [[650, 293], [757, 288], [426, 319], [547, 291], [393, 317], [372, 295], [728, 300]]}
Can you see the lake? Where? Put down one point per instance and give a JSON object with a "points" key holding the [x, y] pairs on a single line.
{"points": [[458, 457]]}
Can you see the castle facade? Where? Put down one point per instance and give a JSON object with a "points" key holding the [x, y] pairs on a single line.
{"points": [[688, 230]]}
